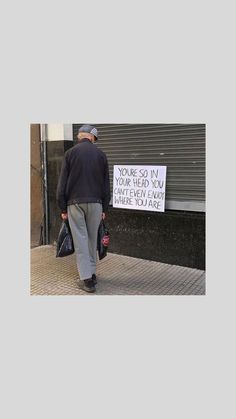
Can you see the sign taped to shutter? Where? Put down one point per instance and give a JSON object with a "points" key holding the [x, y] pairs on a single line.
{"points": [[139, 187]]}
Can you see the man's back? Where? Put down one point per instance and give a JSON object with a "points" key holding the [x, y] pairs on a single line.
{"points": [[84, 176]]}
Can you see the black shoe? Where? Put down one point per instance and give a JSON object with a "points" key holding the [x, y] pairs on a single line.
{"points": [[87, 285], [94, 278]]}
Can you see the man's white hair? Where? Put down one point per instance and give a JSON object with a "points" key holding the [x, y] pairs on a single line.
{"points": [[86, 135]]}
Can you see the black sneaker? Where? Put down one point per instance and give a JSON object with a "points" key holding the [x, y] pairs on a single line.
{"points": [[87, 285], [94, 278]]}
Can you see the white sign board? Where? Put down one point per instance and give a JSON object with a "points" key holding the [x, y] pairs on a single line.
{"points": [[139, 187]]}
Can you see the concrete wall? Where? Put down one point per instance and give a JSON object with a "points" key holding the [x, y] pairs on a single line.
{"points": [[59, 139], [173, 237]]}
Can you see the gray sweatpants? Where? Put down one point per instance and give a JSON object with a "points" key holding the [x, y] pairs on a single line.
{"points": [[84, 220]]}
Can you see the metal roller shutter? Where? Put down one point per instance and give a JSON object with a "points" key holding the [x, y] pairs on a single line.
{"points": [[180, 147]]}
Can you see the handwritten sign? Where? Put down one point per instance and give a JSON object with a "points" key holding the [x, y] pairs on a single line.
{"points": [[139, 187]]}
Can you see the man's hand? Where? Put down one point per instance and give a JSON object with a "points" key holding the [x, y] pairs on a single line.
{"points": [[103, 215], [64, 216]]}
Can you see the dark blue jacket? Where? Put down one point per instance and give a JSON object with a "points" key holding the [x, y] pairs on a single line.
{"points": [[84, 176]]}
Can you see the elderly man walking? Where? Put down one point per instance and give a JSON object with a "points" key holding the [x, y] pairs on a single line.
{"points": [[83, 195]]}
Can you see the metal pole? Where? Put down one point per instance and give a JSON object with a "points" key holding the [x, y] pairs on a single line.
{"points": [[43, 130]]}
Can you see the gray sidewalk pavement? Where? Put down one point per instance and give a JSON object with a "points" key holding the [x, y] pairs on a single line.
{"points": [[117, 275]]}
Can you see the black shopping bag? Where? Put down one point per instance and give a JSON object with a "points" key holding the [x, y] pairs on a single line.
{"points": [[65, 245], [103, 240]]}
